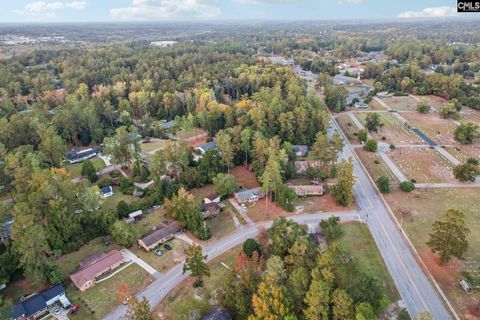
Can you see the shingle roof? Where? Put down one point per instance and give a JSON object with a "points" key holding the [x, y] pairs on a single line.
{"points": [[73, 155], [247, 194], [37, 302], [89, 272], [160, 233], [52, 292], [107, 189], [212, 145]]}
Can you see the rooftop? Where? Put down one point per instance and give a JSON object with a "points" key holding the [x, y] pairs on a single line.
{"points": [[161, 231], [94, 265]]}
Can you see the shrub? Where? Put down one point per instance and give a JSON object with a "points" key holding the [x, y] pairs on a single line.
{"points": [[392, 146], [105, 182], [250, 246], [371, 145], [88, 170], [423, 107], [407, 186], [383, 184], [363, 135], [376, 161], [473, 161]]}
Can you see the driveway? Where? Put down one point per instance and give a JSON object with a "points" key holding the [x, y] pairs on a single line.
{"points": [[127, 254], [241, 211]]}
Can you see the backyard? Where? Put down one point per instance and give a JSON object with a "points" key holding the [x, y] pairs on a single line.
{"points": [[244, 178], [419, 210], [110, 203], [423, 165], [169, 258], [401, 103]]}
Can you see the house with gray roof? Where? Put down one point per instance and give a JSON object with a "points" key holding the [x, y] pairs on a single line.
{"points": [[249, 195]]}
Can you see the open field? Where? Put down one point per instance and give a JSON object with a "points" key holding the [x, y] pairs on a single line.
{"points": [[420, 209], [189, 134], [110, 203], [375, 165], [433, 101], [317, 204], [154, 145], [75, 170], [221, 225], [263, 210], [424, 165], [404, 103], [358, 241], [244, 178], [169, 258], [103, 297], [438, 129], [181, 303], [349, 128], [463, 152], [393, 130]]}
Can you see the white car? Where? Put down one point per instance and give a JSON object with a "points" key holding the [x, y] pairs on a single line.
{"points": [[56, 311]]}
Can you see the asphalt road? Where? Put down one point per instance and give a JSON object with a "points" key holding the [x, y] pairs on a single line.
{"points": [[416, 291], [159, 289]]}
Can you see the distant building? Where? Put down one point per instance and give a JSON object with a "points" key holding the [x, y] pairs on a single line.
{"points": [[341, 80], [106, 192], [36, 305], [168, 124], [136, 215], [82, 155], [300, 150], [210, 210], [361, 105], [249, 195], [212, 145], [310, 190], [94, 267], [6, 228], [162, 233]]}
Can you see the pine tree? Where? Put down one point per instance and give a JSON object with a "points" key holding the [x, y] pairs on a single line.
{"points": [[194, 262]]}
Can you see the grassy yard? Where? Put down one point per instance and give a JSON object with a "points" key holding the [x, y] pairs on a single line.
{"points": [[375, 165], [102, 298], [70, 262], [187, 134], [221, 225], [154, 145], [181, 302], [229, 206], [348, 127], [358, 241], [244, 178], [75, 170], [317, 204], [168, 260], [463, 152], [401, 103], [149, 221], [419, 210], [110, 203], [202, 192]]}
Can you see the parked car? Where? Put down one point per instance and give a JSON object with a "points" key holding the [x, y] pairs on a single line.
{"points": [[74, 309], [159, 252], [167, 246], [56, 311]]}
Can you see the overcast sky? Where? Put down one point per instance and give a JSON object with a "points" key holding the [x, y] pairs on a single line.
{"points": [[166, 10]]}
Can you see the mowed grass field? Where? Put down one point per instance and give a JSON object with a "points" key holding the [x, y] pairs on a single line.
{"points": [[404, 103], [375, 165], [75, 170], [349, 128], [419, 210]]}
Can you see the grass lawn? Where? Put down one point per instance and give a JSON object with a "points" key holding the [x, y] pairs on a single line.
{"points": [[433, 101], [221, 225], [358, 241], [470, 115], [202, 192], [402, 103], [102, 298], [244, 178], [181, 302], [70, 262], [155, 144], [149, 221], [375, 165], [75, 170], [111, 202], [420, 209], [229, 206], [324, 203], [349, 128], [168, 260], [259, 211], [393, 130]]}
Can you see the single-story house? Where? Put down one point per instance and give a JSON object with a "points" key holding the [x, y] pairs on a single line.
{"points": [[300, 150], [218, 314], [6, 228], [136, 215], [361, 105], [37, 304], [310, 190], [95, 266], [212, 145], [210, 210], [160, 234], [249, 195], [82, 155], [106, 192], [213, 197]]}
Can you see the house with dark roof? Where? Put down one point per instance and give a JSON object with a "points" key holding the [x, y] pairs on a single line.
{"points": [[160, 234], [168, 124], [210, 210], [212, 145], [300, 150], [94, 267], [106, 192], [6, 228], [82, 155], [36, 305]]}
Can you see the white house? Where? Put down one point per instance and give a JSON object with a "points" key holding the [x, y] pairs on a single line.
{"points": [[106, 192], [249, 195], [212, 198]]}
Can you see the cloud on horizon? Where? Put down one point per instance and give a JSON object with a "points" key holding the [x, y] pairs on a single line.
{"points": [[433, 12], [48, 9]]}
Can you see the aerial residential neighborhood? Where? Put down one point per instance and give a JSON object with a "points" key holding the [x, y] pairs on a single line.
{"points": [[250, 160]]}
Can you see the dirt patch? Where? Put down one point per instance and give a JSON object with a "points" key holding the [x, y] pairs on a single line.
{"points": [[439, 130], [463, 152], [424, 165], [349, 128], [324, 203], [264, 210], [472, 115], [375, 165], [244, 177]]}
